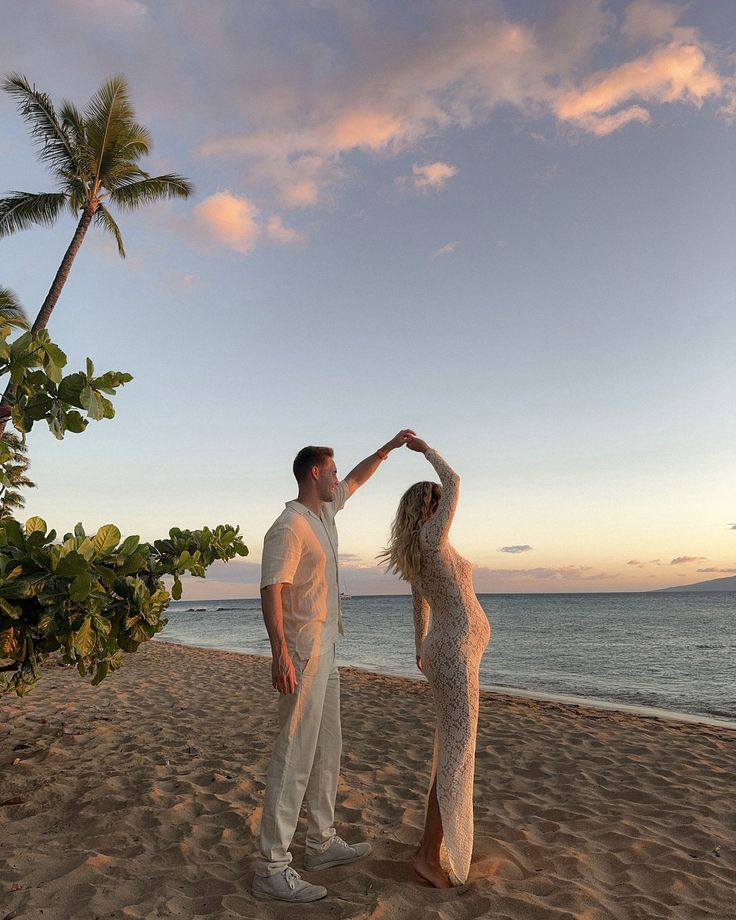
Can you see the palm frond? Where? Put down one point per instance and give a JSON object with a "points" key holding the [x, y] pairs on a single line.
{"points": [[73, 122], [105, 219], [111, 101], [122, 172], [16, 473], [134, 194], [126, 143], [20, 210], [133, 139], [11, 310], [10, 501], [36, 108], [108, 113], [13, 441], [78, 196]]}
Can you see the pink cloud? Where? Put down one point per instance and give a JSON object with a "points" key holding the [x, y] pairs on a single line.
{"points": [[432, 175], [651, 19], [466, 62], [684, 560], [447, 249], [370, 130], [676, 73], [276, 231], [299, 194], [230, 220], [542, 573]]}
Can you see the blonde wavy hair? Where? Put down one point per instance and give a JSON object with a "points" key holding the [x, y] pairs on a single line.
{"points": [[417, 505]]}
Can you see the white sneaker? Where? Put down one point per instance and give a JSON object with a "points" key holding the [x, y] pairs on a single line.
{"points": [[335, 852], [286, 886]]}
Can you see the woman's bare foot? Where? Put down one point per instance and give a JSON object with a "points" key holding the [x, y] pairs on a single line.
{"points": [[433, 874]]}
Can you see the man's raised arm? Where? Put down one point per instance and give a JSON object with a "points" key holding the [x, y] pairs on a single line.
{"points": [[366, 468]]}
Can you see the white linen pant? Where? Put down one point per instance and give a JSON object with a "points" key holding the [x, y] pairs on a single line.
{"points": [[305, 764]]}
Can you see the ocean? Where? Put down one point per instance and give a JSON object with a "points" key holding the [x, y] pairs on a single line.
{"points": [[672, 652]]}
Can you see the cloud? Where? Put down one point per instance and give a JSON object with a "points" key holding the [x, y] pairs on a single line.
{"points": [[368, 129], [235, 222], [230, 220], [653, 20], [304, 102], [447, 249], [519, 548], [276, 231], [355, 559], [732, 526], [712, 569], [636, 562], [431, 175], [317, 105], [684, 560], [541, 573], [234, 572], [675, 73]]}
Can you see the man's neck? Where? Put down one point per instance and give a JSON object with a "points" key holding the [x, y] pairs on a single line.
{"points": [[310, 500]]}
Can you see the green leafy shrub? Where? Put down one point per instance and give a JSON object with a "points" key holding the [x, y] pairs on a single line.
{"points": [[91, 598], [43, 393]]}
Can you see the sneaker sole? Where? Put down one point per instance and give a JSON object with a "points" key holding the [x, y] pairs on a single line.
{"points": [[264, 896], [308, 867]]}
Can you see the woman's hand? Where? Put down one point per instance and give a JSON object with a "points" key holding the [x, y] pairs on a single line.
{"points": [[417, 444], [397, 440], [419, 663]]}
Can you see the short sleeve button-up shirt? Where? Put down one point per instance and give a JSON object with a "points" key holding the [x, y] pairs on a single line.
{"points": [[300, 552]]}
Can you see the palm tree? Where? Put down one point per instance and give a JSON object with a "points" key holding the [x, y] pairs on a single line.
{"points": [[15, 463], [94, 158], [15, 477], [93, 155], [12, 314]]}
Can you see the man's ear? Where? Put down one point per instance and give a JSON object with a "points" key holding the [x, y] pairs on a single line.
{"points": [[314, 472]]}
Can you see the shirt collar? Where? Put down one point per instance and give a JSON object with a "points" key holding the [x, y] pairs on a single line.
{"points": [[295, 505]]}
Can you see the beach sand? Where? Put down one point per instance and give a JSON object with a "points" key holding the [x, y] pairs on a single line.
{"points": [[142, 798]]}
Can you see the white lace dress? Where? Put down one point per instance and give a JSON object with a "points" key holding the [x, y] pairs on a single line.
{"points": [[451, 647]]}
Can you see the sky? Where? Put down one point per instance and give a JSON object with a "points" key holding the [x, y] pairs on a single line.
{"points": [[508, 226]]}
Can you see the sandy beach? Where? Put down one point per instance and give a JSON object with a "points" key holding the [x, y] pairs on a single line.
{"points": [[142, 798]]}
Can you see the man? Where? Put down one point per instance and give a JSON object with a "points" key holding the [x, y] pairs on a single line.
{"points": [[300, 596]]}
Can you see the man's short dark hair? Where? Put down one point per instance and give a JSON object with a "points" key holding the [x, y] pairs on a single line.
{"points": [[309, 457]]}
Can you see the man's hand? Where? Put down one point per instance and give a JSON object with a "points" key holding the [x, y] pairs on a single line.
{"points": [[419, 663], [366, 468], [417, 444], [403, 437], [283, 675]]}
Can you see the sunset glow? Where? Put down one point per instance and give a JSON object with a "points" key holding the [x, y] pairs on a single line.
{"points": [[509, 226]]}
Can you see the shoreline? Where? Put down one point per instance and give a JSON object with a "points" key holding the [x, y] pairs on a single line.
{"points": [[141, 799], [565, 699]]}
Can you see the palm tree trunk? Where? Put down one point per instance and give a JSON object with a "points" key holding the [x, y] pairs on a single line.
{"points": [[47, 307], [63, 273]]}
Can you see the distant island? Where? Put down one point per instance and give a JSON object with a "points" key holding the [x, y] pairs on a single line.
{"points": [[714, 584]]}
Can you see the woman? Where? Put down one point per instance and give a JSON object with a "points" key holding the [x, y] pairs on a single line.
{"points": [[448, 652]]}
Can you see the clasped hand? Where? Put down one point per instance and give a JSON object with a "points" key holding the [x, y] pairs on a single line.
{"points": [[403, 437]]}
